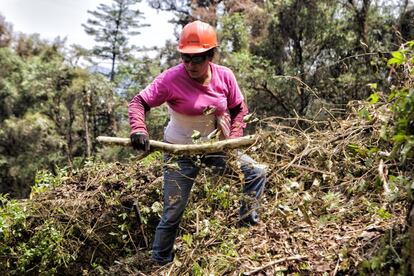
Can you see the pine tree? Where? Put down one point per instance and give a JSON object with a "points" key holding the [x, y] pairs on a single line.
{"points": [[112, 26]]}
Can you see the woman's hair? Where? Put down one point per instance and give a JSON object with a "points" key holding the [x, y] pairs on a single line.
{"points": [[210, 53]]}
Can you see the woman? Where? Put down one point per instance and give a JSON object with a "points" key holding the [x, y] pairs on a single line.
{"points": [[201, 96]]}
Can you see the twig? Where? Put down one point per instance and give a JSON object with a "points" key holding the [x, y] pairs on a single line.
{"points": [[307, 87], [197, 222], [293, 119], [392, 247], [308, 169], [132, 241], [336, 268], [347, 134], [292, 258], [332, 116], [139, 221], [383, 173], [305, 214]]}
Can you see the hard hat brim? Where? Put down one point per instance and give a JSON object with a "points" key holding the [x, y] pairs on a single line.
{"points": [[193, 49]]}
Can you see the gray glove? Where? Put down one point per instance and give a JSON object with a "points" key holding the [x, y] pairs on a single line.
{"points": [[140, 141]]}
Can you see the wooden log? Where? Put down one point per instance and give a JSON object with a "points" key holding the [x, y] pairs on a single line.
{"points": [[204, 147]]}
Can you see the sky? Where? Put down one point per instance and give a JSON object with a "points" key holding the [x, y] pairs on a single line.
{"points": [[52, 18]]}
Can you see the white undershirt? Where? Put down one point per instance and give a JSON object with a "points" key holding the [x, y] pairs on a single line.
{"points": [[181, 127]]}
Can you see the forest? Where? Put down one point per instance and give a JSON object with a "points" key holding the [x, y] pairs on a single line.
{"points": [[330, 90]]}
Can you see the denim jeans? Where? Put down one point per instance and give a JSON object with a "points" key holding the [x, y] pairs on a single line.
{"points": [[178, 182]]}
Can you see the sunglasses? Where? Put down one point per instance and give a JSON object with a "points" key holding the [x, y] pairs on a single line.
{"points": [[194, 59]]}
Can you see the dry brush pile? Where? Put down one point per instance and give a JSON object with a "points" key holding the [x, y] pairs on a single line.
{"points": [[335, 202]]}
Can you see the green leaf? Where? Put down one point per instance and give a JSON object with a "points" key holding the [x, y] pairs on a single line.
{"points": [[188, 238], [399, 138], [123, 216], [364, 114], [197, 270], [392, 61], [407, 148], [374, 98], [397, 58], [195, 135], [397, 55], [382, 213]]}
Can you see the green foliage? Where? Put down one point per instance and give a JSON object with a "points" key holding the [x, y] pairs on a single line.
{"points": [[45, 180], [388, 259], [234, 37], [34, 134], [400, 130], [42, 237], [397, 58], [152, 158], [46, 249], [295, 58], [48, 111], [197, 270], [25, 248], [11, 77], [13, 217]]}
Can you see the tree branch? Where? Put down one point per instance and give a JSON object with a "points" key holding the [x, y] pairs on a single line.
{"points": [[293, 258], [265, 88], [205, 147]]}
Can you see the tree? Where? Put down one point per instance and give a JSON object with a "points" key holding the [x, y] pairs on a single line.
{"points": [[5, 32], [112, 27], [189, 10]]}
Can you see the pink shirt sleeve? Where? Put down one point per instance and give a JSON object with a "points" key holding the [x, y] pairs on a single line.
{"points": [[136, 115], [235, 100], [237, 123], [153, 95]]}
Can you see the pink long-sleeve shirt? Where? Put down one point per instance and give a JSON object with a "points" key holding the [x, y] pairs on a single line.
{"points": [[188, 97]]}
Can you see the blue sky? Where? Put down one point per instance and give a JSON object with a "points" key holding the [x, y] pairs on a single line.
{"points": [[52, 18]]}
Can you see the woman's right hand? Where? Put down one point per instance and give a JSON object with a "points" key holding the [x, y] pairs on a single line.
{"points": [[140, 141]]}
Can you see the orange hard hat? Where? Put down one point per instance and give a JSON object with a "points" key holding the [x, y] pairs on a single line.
{"points": [[197, 37]]}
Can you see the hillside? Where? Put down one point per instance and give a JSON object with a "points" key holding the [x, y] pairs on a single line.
{"points": [[334, 203], [330, 100]]}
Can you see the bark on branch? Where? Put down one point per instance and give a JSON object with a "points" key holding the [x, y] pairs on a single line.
{"points": [[293, 258], [202, 148]]}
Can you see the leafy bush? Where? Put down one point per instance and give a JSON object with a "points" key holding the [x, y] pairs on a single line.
{"points": [[29, 241], [401, 130]]}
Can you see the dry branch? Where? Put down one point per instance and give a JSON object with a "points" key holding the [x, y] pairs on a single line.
{"points": [[293, 258], [205, 147]]}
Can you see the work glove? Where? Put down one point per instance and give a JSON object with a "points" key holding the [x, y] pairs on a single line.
{"points": [[140, 141]]}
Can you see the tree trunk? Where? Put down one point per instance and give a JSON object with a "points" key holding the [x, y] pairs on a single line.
{"points": [[69, 134], [361, 28], [299, 63], [362, 24], [112, 74], [85, 109]]}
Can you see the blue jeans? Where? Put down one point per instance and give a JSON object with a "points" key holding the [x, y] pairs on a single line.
{"points": [[178, 182]]}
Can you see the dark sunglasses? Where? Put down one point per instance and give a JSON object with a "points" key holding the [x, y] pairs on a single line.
{"points": [[194, 59]]}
